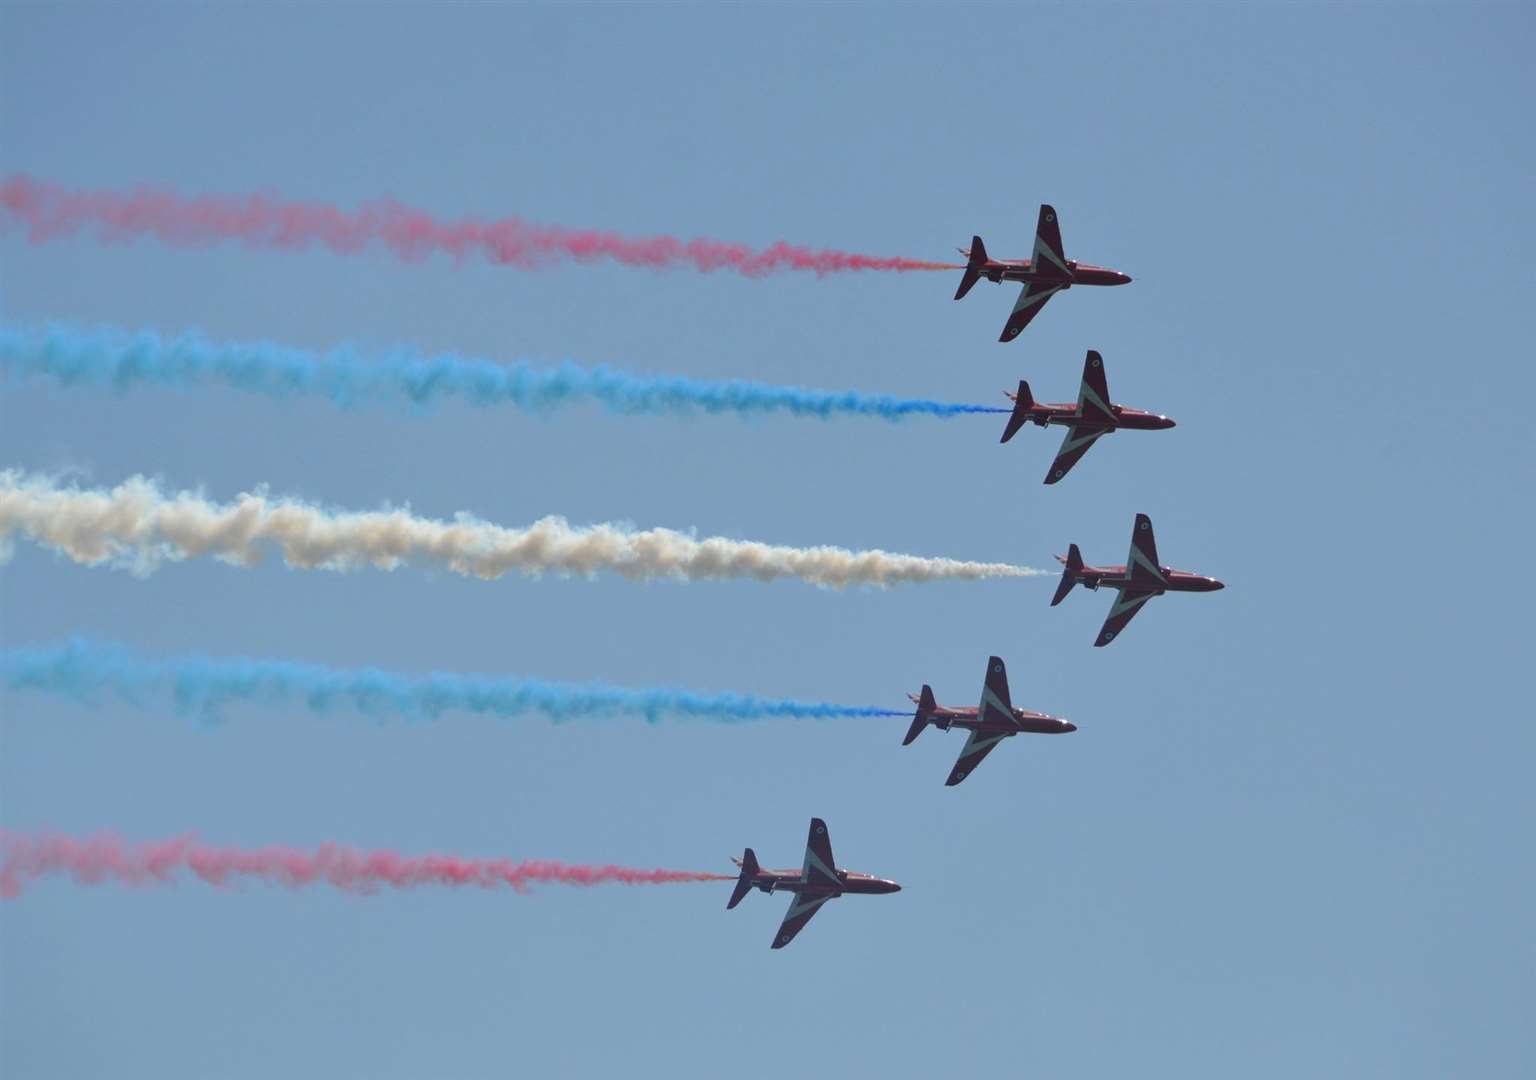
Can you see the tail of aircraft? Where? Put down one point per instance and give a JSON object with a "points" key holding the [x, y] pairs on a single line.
{"points": [[976, 259], [749, 868], [1021, 406], [1072, 565], [925, 706]]}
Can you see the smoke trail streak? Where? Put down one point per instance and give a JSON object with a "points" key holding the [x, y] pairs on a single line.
{"points": [[50, 210], [90, 861], [137, 526], [203, 685], [118, 360]]}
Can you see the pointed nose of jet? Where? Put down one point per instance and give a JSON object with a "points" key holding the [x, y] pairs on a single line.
{"points": [[1068, 726], [1211, 584], [1166, 422], [889, 886], [1122, 279]]}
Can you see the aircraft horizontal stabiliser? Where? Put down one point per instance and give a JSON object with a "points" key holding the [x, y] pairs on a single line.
{"points": [[989, 723], [1139, 580], [1093, 415], [816, 882], [1045, 274]]}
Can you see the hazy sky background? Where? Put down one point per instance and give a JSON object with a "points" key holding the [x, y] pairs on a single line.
{"points": [[1292, 837]]}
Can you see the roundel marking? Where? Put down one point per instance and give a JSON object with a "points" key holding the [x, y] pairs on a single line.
{"points": [[1094, 362], [783, 938], [959, 776], [1050, 217], [1059, 474], [1143, 525], [997, 667], [820, 829], [1109, 636]]}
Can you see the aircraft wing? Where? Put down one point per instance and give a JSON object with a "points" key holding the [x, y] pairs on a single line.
{"points": [[976, 747], [800, 911], [995, 703], [1074, 446], [819, 868], [1141, 566], [1048, 253], [1127, 603], [1031, 299], [1093, 397]]}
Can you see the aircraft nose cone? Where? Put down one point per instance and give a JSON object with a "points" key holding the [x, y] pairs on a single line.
{"points": [[1122, 279], [893, 886], [1068, 726], [1217, 584], [1169, 422]]}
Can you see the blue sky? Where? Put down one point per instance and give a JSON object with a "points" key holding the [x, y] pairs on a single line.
{"points": [[1292, 835]]}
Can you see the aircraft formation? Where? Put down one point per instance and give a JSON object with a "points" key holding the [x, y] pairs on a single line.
{"points": [[1142, 577], [994, 718]]}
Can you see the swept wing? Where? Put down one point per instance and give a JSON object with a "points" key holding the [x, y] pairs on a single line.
{"points": [[1048, 256], [976, 747], [1093, 403], [820, 871], [1128, 602], [801, 909], [1073, 447], [1141, 566], [1031, 299], [996, 706]]}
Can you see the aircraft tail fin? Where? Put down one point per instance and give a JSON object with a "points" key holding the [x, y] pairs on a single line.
{"points": [[749, 868], [1072, 565], [1021, 406], [976, 258], [925, 706]]}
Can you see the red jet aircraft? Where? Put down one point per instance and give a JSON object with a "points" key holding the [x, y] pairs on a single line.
{"points": [[818, 881], [1139, 581], [1092, 416], [989, 723], [1044, 275]]}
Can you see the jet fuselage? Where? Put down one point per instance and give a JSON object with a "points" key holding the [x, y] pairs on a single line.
{"points": [[968, 717], [1174, 580], [851, 881], [1068, 414], [999, 270]]}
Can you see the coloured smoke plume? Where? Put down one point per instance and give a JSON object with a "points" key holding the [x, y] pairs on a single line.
{"points": [[202, 685], [92, 860], [118, 360], [138, 526], [48, 210]]}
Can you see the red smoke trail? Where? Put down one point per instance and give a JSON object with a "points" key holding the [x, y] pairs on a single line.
{"points": [[49, 211], [99, 858]]}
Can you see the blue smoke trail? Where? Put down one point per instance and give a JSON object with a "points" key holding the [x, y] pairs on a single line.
{"points": [[120, 360], [203, 685]]}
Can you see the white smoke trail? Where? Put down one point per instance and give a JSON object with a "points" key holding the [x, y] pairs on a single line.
{"points": [[138, 526]]}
